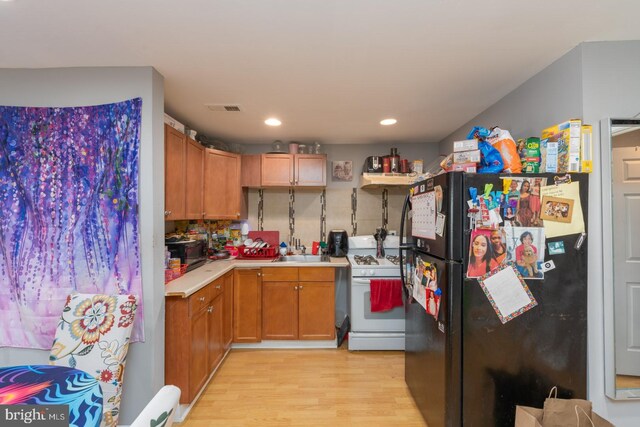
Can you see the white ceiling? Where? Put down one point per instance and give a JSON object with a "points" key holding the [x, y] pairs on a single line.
{"points": [[329, 69]]}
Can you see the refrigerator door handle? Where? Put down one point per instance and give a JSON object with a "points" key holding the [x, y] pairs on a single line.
{"points": [[403, 247]]}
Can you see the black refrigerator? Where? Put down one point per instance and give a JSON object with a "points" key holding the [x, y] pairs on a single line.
{"points": [[463, 366]]}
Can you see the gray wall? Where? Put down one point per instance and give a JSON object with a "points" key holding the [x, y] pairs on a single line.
{"points": [[144, 374], [592, 81], [549, 97]]}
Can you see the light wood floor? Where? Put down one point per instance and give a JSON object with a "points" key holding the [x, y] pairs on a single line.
{"points": [[626, 381], [307, 388]]}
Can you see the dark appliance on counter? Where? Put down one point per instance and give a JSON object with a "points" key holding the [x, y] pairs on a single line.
{"points": [[464, 367], [373, 164], [191, 252], [338, 243]]}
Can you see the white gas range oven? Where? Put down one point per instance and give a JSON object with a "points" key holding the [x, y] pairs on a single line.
{"points": [[373, 330]]}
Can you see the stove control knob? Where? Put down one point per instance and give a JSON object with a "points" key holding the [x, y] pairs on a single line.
{"points": [[363, 272], [372, 273]]}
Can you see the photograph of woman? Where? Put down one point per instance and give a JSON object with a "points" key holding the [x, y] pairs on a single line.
{"points": [[526, 246], [528, 208], [498, 246], [481, 260]]}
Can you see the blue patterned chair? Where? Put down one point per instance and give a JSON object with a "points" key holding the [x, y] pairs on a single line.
{"points": [[161, 410], [93, 335]]}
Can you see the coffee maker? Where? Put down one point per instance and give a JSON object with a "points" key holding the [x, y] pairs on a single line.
{"points": [[338, 243]]}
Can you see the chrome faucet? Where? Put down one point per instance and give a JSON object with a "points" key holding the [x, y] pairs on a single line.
{"points": [[303, 248]]}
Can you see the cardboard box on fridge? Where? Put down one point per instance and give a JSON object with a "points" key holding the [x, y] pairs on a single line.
{"points": [[466, 145], [586, 154], [468, 167], [467, 156], [568, 135]]}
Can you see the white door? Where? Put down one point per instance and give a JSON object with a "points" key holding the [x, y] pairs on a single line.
{"points": [[626, 251]]}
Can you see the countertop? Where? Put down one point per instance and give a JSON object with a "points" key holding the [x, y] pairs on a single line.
{"points": [[202, 276]]}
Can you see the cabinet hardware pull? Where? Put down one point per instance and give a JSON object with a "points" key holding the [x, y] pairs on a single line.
{"points": [[300, 287], [218, 287], [295, 288], [167, 213], [259, 274], [210, 309], [201, 299]]}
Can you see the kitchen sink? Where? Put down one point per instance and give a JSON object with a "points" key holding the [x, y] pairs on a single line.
{"points": [[303, 258]]}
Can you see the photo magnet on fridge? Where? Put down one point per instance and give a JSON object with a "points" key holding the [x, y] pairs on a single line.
{"points": [[556, 248]]}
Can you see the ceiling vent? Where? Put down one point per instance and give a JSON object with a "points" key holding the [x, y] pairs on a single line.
{"points": [[227, 108]]}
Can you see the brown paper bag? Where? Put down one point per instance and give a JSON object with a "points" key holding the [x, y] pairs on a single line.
{"points": [[562, 412], [527, 416]]}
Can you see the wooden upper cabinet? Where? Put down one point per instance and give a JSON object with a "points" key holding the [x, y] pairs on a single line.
{"points": [[222, 191], [174, 167], [310, 170], [277, 170], [194, 173], [284, 170]]}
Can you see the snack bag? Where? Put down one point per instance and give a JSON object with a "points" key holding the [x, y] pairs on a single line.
{"points": [[502, 140], [491, 161]]}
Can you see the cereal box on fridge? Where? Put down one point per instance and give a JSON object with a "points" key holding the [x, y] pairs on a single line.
{"points": [[567, 135]]}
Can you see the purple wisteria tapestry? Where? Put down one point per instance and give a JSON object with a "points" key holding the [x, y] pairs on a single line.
{"points": [[69, 201]]}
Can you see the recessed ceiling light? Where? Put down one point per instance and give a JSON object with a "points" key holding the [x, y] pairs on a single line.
{"points": [[272, 122], [388, 122]]}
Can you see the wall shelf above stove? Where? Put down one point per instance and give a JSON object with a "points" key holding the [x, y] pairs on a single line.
{"points": [[377, 180]]}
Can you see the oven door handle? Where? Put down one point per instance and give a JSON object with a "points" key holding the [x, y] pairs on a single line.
{"points": [[362, 281]]}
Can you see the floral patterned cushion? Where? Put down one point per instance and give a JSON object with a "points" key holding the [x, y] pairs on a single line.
{"points": [[93, 335]]}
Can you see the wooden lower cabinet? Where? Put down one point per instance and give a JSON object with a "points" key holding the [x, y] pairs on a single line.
{"points": [[194, 338], [298, 310], [247, 305]]}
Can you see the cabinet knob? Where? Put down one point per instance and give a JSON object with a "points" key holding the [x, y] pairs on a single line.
{"points": [[238, 214], [201, 299], [167, 213], [300, 287], [210, 309], [204, 213], [218, 287], [295, 288], [259, 274]]}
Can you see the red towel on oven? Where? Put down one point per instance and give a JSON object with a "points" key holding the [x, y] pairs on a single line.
{"points": [[385, 294]]}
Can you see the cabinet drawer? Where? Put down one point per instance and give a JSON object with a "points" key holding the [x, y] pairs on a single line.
{"points": [[200, 300], [280, 274], [216, 287], [316, 274]]}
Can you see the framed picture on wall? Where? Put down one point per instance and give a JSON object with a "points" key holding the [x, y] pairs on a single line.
{"points": [[342, 170]]}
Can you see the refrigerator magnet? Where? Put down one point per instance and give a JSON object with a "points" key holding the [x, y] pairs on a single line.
{"points": [[556, 248], [507, 292], [440, 220]]}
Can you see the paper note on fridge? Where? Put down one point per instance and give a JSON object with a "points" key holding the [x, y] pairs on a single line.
{"points": [[507, 292], [564, 191]]}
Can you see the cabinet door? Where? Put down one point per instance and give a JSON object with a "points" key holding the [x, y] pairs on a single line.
{"points": [[280, 310], [214, 325], [174, 182], [311, 170], [227, 311], [222, 191], [277, 170], [316, 319], [198, 364], [247, 305], [194, 172]]}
